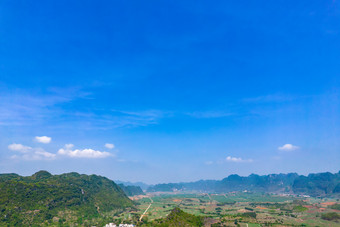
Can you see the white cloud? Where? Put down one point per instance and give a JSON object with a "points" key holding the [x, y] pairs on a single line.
{"points": [[45, 154], [39, 154], [43, 139], [29, 153], [234, 159], [288, 147], [209, 163], [19, 147], [85, 153], [23, 108], [109, 145], [69, 146]]}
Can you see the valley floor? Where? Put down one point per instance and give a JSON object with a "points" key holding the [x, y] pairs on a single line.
{"points": [[232, 209]]}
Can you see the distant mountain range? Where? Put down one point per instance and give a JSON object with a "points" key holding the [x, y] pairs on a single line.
{"points": [[142, 185], [319, 184]]}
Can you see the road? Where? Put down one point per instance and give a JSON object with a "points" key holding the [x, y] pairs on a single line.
{"points": [[211, 200], [146, 210]]}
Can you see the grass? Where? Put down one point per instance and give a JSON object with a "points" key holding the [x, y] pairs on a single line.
{"points": [[253, 225]]}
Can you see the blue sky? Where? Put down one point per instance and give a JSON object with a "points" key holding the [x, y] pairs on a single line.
{"points": [[163, 91]]}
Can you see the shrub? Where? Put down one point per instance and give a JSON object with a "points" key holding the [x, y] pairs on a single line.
{"points": [[331, 216], [249, 215]]}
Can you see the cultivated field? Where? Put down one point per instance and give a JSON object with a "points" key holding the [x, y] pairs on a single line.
{"points": [[244, 209]]}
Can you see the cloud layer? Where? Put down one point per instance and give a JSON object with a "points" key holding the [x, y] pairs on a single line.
{"points": [[19, 147], [234, 159], [109, 145], [29, 153], [85, 153], [43, 139], [288, 147]]}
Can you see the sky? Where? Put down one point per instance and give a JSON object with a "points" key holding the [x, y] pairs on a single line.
{"points": [[169, 91]]}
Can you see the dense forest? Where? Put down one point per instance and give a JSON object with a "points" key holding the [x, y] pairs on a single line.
{"points": [[320, 184], [71, 197]]}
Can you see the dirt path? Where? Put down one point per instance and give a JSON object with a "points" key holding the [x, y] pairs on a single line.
{"points": [[211, 200], [146, 210]]}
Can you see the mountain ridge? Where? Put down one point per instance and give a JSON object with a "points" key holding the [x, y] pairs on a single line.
{"points": [[314, 184]]}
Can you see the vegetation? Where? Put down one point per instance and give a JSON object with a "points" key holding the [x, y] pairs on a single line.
{"points": [[335, 206], [60, 199], [254, 209], [177, 217], [200, 186], [319, 184], [131, 190], [300, 208], [331, 216], [249, 215], [86, 200]]}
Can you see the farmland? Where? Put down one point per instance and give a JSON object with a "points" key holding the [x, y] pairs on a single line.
{"points": [[239, 208]]}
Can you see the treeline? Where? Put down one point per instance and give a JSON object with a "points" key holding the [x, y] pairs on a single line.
{"points": [[320, 184]]}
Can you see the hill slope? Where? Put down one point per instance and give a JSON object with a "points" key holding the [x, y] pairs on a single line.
{"points": [[177, 218], [131, 190], [65, 198], [318, 184]]}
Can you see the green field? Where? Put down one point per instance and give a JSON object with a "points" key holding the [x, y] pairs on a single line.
{"points": [[237, 208]]}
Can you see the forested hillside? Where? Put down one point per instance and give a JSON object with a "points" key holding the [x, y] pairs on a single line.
{"points": [[58, 199], [177, 218], [130, 190], [318, 184]]}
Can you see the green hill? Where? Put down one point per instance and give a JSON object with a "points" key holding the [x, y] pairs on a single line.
{"points": [[318, 184], [130, 190], [177, 218], [45, 199]]}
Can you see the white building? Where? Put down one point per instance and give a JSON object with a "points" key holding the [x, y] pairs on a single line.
{"points": [[120, 225], [110, 225]]}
